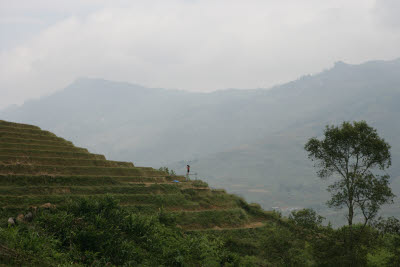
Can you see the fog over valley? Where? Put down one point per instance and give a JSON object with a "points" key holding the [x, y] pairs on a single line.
{"points": [[200, 133], [247, 141], [183, 44]]}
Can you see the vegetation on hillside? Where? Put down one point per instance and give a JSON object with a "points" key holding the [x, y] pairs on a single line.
{"points": [[355, 154], [247, 141], [107, 213], [99, 232]]}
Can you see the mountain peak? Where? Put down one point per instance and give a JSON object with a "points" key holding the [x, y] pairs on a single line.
{"points": [[340, 64]]}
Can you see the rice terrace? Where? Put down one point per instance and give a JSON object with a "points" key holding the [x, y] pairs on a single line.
{"points": [[40, 171], [200, 133]]}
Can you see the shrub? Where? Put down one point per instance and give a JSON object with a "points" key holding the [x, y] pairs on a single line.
{"points": [[97, 231], [199, 183]]}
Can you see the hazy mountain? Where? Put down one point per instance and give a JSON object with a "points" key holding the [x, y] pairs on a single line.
{"points": [[249, 141], [274, 170]]}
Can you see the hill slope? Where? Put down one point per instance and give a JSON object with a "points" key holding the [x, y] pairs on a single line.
{"points": [[249, 141], [37, 167]]}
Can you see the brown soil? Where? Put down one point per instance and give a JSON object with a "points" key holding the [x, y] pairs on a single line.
{"points": [[251, 225]]}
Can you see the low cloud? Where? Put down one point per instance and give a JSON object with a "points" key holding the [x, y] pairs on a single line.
{"points": [[387, 13], [194, 45]]}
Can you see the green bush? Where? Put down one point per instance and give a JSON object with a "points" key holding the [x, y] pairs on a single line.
{"points": [[199, 183], [167, 171], [99, 232]]}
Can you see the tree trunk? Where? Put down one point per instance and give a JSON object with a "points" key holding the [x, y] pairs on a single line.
{"points": [[351, 241]]}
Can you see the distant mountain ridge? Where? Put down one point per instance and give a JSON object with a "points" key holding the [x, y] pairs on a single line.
{"points": [[243, 140]]}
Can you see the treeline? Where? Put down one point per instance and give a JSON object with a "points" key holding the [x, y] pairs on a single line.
{"points": [[306, 242]]}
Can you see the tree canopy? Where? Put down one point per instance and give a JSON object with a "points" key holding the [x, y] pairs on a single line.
{"points": [[356, 155]]}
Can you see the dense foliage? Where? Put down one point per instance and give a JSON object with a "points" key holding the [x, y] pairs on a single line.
{"points": [[353, 152], [86, 227], [355, 155], [99, 232]]}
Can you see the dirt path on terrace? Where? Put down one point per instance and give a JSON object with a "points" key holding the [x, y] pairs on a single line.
{"points": [[251, 225]]}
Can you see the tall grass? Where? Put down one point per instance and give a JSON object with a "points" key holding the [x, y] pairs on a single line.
{"points": [[19, 146], [29, 141], [37, 136], [77, 170], [81, 180], [47, 153], [17, 125], [54, 161]]}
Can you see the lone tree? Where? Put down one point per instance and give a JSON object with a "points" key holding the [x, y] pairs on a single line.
{"points": [[357, 157]]}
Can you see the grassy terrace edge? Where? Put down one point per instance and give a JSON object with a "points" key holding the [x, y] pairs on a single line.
{"points": [[37, 167]]}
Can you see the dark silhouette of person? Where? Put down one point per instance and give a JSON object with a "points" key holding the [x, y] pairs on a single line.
{"points": [[188, 169]]}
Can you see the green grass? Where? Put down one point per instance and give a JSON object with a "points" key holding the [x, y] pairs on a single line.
{"points": [[242, 241], [161, 195], [42, 147], [210, 218], [54, 161], [37, 167], [77, 170], [199, 183], [47, 153], [200, 199], [13, 140], [45, 137], [25, 130], [79, 180], [91, 190], [161, 200], [17, 125]]}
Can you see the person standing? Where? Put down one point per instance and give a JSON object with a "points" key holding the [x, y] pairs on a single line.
{"points": [[188, 170]]}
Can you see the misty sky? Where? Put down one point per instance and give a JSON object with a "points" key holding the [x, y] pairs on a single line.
{"points": [[198, 45]]}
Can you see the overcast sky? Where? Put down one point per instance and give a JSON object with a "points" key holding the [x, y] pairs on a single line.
{"points": [[197, 45]]}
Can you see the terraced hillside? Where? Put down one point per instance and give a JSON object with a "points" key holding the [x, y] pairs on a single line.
{"points": [[37, 167]]}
